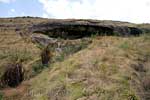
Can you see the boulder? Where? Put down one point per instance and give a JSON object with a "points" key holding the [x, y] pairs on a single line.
{"points": [[42, 39]]}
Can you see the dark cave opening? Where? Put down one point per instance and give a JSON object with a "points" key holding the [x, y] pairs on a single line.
{"points": [[77, 31]]}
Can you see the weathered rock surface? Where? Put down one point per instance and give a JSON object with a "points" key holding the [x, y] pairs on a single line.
{"points": [[42, 39], [73, 29]]}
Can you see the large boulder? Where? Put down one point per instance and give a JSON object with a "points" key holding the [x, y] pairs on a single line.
{"points": [[42, 39]]}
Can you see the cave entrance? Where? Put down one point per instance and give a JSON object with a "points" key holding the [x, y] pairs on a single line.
{"points": [[78, 31]]}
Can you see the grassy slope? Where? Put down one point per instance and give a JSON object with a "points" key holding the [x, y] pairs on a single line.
{"points": [[13, 46], [100, 72]]}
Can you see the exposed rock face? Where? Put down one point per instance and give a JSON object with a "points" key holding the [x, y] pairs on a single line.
{"points": [[73, 29], [42, 39]]}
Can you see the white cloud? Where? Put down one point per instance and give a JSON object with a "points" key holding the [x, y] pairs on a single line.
{"points": [[125, 10], [45, 15], [7, 1], [12, 10], [22, 14]]}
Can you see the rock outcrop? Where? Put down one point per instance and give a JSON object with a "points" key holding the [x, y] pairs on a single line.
{"points": [[42, 39], [73, 29]]}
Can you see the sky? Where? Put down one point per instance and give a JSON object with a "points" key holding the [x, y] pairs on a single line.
{"points": [[135, 11]]}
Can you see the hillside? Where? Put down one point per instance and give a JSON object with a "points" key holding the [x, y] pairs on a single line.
{"points": [[88, 61]]}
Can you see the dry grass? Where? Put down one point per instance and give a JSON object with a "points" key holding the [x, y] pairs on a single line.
{"points": [[13, 48], [100, 72]]}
